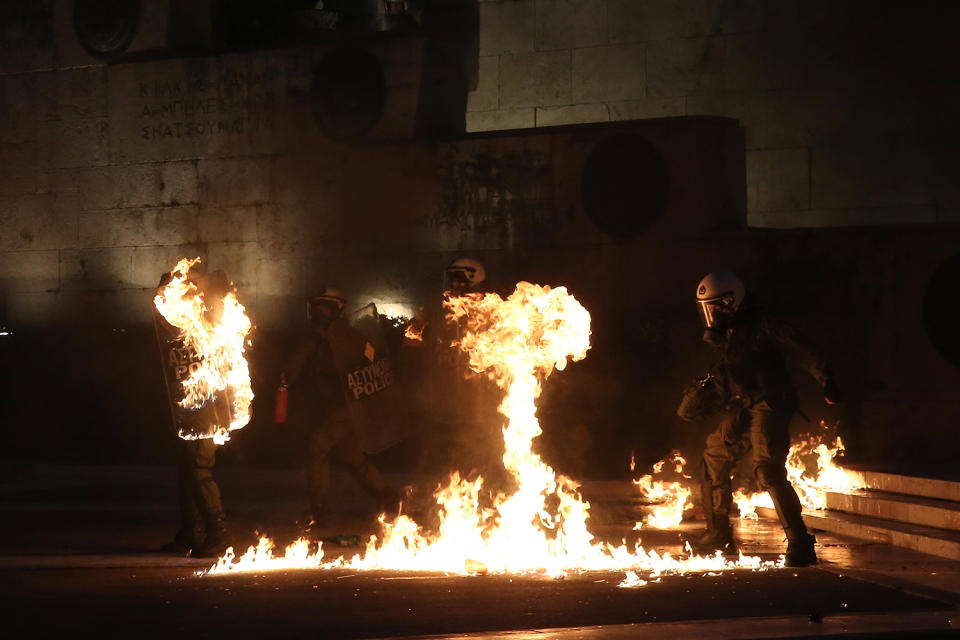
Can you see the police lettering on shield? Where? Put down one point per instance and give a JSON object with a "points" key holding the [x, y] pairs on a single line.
{"points": [[368, 380]]}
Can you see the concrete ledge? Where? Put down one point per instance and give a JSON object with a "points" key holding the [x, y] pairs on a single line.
{"points": [[939, 514], [936, 542], [911, 485]]}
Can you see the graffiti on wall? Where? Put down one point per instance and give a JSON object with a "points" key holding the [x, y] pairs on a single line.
{"points": [[509, 195]]}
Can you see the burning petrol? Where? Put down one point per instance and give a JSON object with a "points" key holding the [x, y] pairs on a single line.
{"points": [[541, 524]]}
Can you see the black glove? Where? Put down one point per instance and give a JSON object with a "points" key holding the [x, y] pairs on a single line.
{"points": [[831, 392]]}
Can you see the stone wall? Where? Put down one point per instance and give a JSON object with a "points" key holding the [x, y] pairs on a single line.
{"points": [[848, 106], [110, 173]]}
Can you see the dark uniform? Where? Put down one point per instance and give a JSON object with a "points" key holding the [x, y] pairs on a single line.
{"points": [[203, 526], [755, 396], [317, 401]]}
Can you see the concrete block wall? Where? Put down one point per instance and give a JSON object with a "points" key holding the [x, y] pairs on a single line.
{"points": [[847, 106], [108, 173]]}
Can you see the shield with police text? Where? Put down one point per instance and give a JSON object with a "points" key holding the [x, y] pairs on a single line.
{"points": [[180, 361], [369, 379]]}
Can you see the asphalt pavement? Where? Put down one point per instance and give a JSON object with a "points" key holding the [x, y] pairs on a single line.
{"points": [[78, 555]]}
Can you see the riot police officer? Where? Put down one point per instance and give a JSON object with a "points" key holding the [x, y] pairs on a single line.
{"points": [[751, 390], [317, 400]]}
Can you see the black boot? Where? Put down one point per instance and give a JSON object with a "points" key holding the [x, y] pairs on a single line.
{"points": [[182, 543], [217, 540], [801, 552]]}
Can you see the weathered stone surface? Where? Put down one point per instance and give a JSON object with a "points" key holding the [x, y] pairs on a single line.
{"points": [[122, 186], [281, 293], [282, 230], [96, 269], [539, 79], [79, 142], [76, 93], [149, 263], [876, 175], [650, 108], [197, 107], [20, 106], [228, 224], [570, 24], [506, 27], [18, 168], [778, 180], [501, 120], [29, 270], [143, 226], [854, 217], [685, 67], [240, 261], [769, 61], [234, 181], [26, 39], [645, 20], [573, 114], [609, 73], [486, 96], [35, 222]]}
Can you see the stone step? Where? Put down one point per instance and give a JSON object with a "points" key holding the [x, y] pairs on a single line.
{"points": [[936, 542], [908, 484], [927, 512]]}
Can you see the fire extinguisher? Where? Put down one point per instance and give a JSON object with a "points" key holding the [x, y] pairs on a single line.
{"points": [[280, 414]]}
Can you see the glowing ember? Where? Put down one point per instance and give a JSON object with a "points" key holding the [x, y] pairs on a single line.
{"points": [[812, 472], [668, 499], [541, 524], [219, 344]]}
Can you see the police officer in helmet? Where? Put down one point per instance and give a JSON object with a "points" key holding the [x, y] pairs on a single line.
{"points": [[317, 401], [464, 275], [751, 390]]}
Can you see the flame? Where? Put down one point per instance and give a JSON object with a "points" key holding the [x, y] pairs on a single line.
{"points": [[540, 525], [414, 332], [668, 499], [220, 345], [812, 472]]}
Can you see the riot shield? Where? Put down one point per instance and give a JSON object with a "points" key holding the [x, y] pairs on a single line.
{"points": [[178, 361], [368, 377]]}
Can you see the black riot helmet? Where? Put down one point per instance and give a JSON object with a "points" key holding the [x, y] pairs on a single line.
{"points": [[719, 295], [325, 307]]}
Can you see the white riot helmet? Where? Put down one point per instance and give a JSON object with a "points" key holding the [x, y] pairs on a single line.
{"points": [[719, 295], [464, 273], [325, 306]]}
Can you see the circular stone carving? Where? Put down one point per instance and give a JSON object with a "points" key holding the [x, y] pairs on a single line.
{"points": [[106, 28], [941, 310], [349, 93], [624, 185]]}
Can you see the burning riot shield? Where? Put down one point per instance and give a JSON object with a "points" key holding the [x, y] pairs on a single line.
{"points": [[369, 381], [195, 415]]}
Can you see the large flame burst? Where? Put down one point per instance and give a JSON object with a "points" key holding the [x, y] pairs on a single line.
{"points": [[220, 345], [541, 525], [812, 472]]}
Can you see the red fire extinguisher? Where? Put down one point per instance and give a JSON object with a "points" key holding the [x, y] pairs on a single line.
{"points": [[280, 414]]}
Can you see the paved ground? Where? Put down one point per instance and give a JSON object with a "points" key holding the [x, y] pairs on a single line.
{"points": [[76, 556]]}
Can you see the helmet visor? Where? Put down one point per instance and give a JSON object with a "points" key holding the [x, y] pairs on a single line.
{"points": [[457, 280], [715, 311], [321, 312]]}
